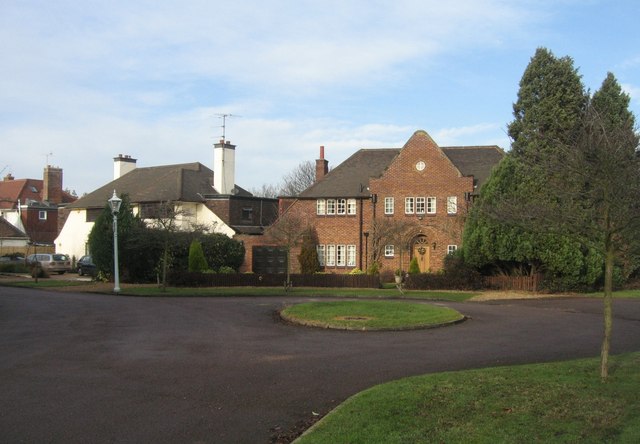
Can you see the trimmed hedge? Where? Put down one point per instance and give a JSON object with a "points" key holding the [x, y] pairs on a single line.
{"points": [[445, 281], [186, 279]]}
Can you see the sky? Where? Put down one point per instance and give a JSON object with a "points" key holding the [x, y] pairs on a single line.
{"points": [[84, 81]]}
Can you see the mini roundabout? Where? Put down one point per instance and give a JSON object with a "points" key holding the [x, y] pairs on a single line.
{"points": [[370, 315]]}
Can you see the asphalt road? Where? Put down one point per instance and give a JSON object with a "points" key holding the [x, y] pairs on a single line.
{"points": [[92, 368]]}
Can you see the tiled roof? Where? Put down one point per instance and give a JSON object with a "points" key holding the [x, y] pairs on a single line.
{"points": [[24, 189], [187, 182], [9, 231], [351, 177], [476, 161]]}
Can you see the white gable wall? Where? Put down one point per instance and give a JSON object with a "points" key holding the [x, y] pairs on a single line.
{"points": [[74, 235]]}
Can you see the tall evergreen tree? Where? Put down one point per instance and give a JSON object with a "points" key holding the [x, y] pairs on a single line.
{"points": [[101, 238], [550, 103]]}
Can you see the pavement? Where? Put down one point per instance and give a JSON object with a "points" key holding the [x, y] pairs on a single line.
{"points": [[79, 367]]}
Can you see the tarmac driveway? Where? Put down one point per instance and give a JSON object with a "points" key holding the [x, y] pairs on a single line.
{"points": [[98, 368]]}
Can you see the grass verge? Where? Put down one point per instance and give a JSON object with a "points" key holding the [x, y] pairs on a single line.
{"points": [[553, 402], [153, 290], [370, 315]]}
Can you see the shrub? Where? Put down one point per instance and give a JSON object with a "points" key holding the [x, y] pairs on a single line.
{"points": [[226, 270], [414, 268], [197, 261], [308, 256], [356, 271]]}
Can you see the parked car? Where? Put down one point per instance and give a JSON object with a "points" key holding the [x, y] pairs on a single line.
{"points": [[86, 266], [51, 263], [12, 259]]}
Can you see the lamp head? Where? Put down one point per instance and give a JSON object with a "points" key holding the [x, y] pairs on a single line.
{"points": [[115, 203]]}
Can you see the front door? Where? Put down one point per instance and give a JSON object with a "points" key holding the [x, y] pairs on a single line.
{"points": [[421, 252]]}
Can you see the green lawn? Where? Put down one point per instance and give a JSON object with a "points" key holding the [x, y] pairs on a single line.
{"points": [[153, 290], [370, 315], [555, 402]]}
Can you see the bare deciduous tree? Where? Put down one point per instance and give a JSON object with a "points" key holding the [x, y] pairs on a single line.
{"points": [[292, 184], [287, 231]]}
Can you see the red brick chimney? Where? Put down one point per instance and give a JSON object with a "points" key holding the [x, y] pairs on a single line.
{"points": [[52, 185], [322, 165]]}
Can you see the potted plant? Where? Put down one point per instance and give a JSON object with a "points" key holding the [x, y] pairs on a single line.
{"points": [[398, 276]]}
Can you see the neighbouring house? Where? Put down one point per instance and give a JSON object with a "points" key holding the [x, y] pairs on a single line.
{"points": [[200, 196], [391, 205], [32, 205], [12, 240]]}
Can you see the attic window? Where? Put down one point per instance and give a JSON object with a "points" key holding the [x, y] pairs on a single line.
{"points": [[33, 189]]}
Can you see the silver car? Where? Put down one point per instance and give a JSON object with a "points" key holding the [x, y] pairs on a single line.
{"points": [[52, 263]]}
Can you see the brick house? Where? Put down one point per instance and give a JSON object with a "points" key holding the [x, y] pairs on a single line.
{"points": [[32, 205], [418, 195]]}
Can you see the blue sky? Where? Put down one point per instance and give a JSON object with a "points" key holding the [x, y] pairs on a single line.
{"points": [[88, 80]]}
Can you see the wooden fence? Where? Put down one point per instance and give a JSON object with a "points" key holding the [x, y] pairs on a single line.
{"points": [[514, 283]]}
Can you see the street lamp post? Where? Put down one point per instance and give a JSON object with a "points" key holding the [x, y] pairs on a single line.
{"points": [[115, 203]]}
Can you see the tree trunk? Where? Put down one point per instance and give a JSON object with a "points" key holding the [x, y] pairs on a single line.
{"points": [[608, 310], [165, 257]]}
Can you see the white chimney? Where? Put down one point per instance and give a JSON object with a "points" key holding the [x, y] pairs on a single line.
{"points": [[224, 167], [122, 165]]}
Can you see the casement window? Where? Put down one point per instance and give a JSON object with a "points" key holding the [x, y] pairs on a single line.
{"points": [[330, 259], [320, 250], [351, 255], [42, 215], [321, 207], [389, 251], [342, 206], [388, 205], [451, 249], [420, 205], [331, 206], [341, 255], [431, 205], [409, 205], [351, 206], [452, 205]]}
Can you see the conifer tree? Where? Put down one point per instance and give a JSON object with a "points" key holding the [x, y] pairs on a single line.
{"points": [[550, 103]]}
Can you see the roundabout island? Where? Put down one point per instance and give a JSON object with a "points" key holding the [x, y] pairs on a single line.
{"points": [[370, 315]]}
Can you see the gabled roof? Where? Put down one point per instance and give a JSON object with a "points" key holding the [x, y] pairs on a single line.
{"points": [[24, 190], [8, 231], [187, 182], [351, 177], [476, 161]]}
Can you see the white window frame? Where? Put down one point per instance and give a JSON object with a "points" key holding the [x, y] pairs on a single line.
{"points": [[321, 207], [389, 251], [342, 206], [42, 215], [331, 256], [351, 255], [452, 205], [351, 207], [409, 205], [451, 249], [341, 255], [320, 250], [331, 207], [431, 205], [420, 205], [388, 205]]}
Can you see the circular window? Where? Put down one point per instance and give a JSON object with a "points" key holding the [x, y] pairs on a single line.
{"points": [[420, 165]]}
